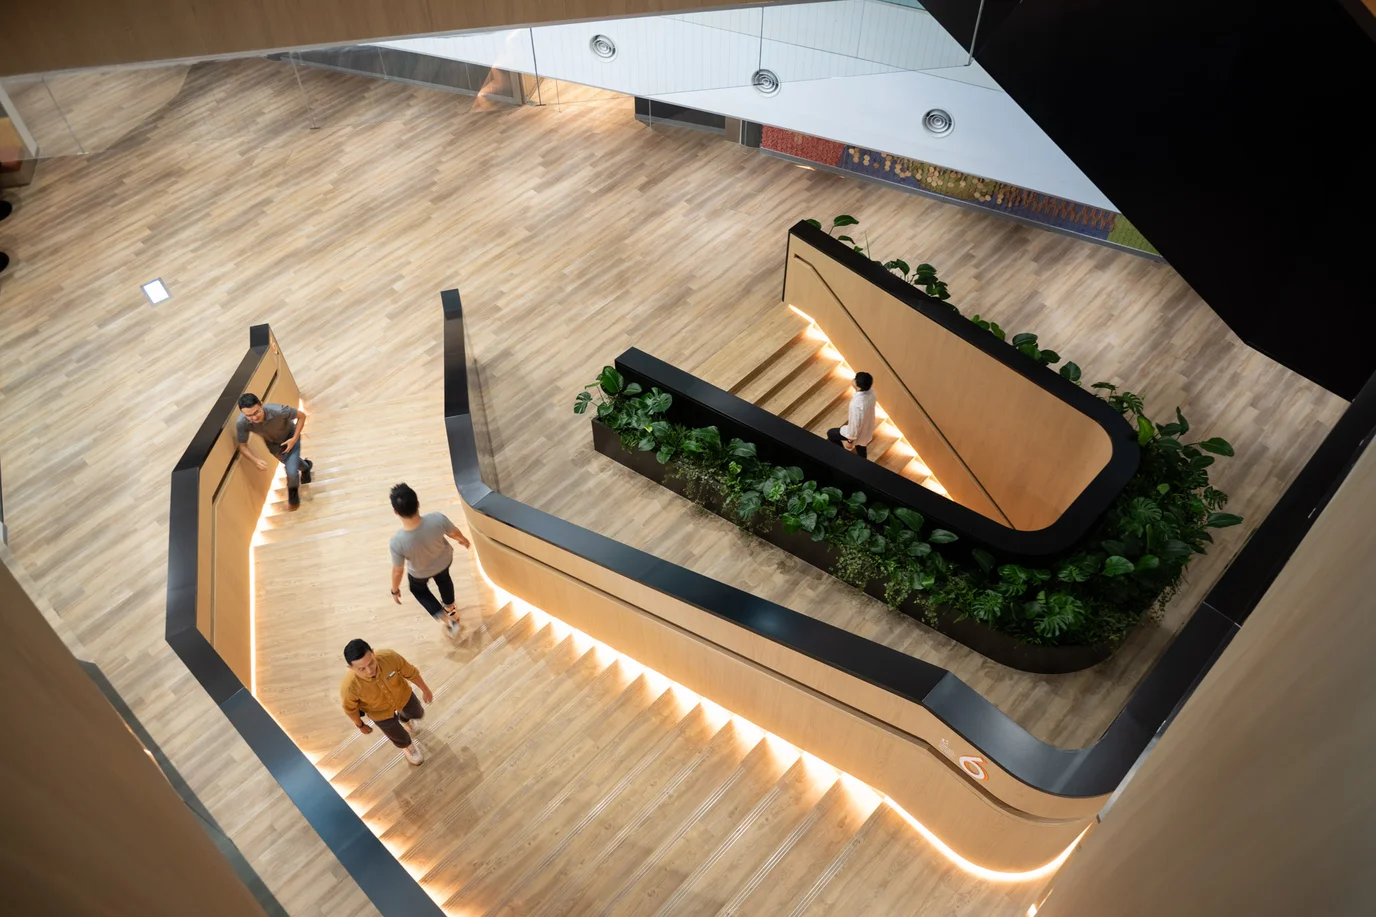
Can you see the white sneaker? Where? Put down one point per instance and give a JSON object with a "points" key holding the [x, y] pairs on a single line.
{"points": [[452, 628], [413, 753], [411, 726]]}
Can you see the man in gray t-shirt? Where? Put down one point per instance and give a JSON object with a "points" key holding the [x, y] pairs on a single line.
{"points": [[422, 551], [281, 427]]}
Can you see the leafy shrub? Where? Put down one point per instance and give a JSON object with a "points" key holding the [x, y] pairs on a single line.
{"points": [[1133, 557]]}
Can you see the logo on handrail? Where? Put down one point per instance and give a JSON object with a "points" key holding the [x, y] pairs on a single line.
{"points": [[971, 764]]}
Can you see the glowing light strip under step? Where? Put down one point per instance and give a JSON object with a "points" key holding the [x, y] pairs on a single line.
{"points": [[843, 369], [974, 869]]}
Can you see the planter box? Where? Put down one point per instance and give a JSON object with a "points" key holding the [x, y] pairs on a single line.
{"points": [[1001, 648]]}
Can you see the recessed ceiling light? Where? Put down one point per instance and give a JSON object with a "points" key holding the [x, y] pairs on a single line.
{"points": [[156, 291]]}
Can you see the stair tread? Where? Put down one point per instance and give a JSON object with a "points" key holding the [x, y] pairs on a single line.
{"points": [[858, 880], [479, 718], [612, 849], [608, 802], [793, 867], [673, 859], [470, 811], [570, 703], [492, 630], [747, 847], [728, 366], [819, 402], [782, 367], [488, 665], [817, 372], [546, 790]]}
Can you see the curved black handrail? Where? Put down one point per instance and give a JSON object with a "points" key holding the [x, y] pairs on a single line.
{"points": [[1076, 773], [1099, 493], [390, 887]]}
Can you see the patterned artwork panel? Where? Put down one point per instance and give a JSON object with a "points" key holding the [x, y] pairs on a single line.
{"points": [[1001, 197]]}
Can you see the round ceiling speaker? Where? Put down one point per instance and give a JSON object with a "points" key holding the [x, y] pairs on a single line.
{"points": [[938, 122], [603, 47], [766, 81]]}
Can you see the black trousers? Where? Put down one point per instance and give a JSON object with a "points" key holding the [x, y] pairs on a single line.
{"points": [[834, 434], [420, 588], [392, 726]]}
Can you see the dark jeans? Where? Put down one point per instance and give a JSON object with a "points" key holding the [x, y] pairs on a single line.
{"points": [[420, 588], [293, 462], [392, 727], [834, 434]]}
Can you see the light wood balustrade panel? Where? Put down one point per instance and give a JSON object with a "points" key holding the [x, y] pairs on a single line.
{"points": [[853, 692], [1000, 444], [910, 772], [232, 492]]}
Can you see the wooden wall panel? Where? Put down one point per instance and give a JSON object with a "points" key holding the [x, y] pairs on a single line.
{"points": [[1261, 797], [929, 787], [91, 825], [64, 34], [232, 493], [853, 692], [234, 516], [1033, 453]]}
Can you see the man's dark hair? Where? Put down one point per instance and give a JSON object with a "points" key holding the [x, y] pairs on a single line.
{"points": [[863, 381], [355, 650], [248, 400], [405, 501]]}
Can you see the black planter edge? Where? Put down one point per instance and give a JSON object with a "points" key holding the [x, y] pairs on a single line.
{"points": [[993, 645], [1095, 770], [393, 891]]}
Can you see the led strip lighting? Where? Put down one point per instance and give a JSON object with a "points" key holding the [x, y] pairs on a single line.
{"points": [[843, 369], [854, 783]]}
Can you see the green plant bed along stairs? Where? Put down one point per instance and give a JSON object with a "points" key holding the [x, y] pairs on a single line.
{"points": [[1130, 562]]}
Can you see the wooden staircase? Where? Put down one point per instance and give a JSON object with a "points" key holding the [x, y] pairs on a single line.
{"points": [[785, 364], [560, 777], [563, 779]]}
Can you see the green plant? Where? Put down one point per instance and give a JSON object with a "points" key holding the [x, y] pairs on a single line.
{"points": [[1133, 558]]}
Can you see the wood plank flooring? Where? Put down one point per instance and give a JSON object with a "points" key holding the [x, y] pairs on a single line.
{"points": [[574, 232]]}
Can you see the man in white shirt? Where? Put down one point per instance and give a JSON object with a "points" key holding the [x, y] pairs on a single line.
{"points": [[859, 427]]}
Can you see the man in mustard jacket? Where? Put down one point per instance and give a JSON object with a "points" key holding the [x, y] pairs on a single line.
{"points": [[377, 687]]}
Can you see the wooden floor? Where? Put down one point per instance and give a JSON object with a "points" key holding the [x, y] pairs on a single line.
{"points": [[574, 232]]}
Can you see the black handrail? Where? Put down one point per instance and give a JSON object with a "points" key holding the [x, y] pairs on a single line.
{"points": [[391, 888]]}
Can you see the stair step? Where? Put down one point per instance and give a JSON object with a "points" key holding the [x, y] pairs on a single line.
{"points": [[747, 848], [493, 629], [816, 373], [548, 789], [790, 871], [354, 781], [478, 718], [481, 667], [674, 857], [427, 834], [451, 763], [820, 402], [730, 366], [572, 739], [858, 880], [779, 369], [612, 847], [608, 801]]}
